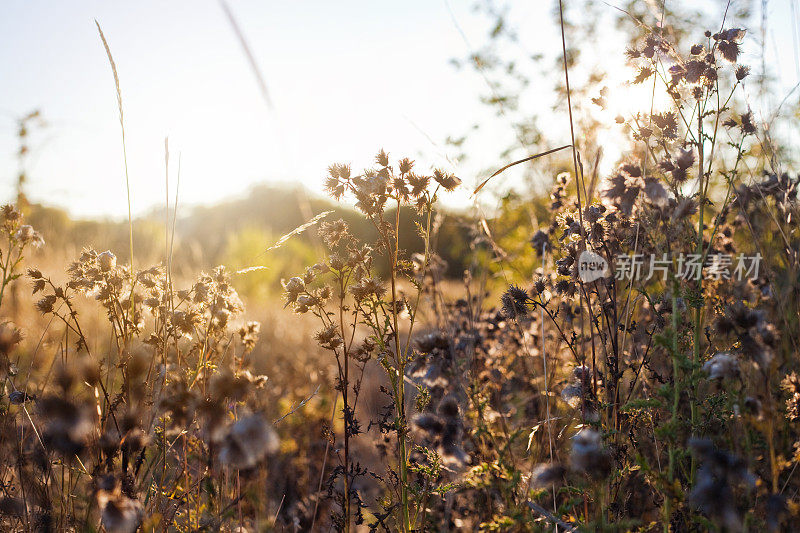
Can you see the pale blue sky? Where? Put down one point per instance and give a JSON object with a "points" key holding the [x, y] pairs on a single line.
{"points": [[347, 78]]}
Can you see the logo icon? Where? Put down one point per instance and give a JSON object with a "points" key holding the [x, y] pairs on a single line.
{"points": [[591, 266]]}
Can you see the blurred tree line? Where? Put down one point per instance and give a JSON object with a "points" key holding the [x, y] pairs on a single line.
{"points": [[237, 233]]}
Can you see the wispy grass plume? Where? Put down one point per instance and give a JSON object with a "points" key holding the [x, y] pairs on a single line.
{"points": [[122, 128]]}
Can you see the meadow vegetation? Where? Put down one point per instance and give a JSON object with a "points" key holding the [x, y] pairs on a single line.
{"points": [[416, 369]]}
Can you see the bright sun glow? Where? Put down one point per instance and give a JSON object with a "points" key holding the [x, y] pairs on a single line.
{"points": [[627, 99], [630, 99]]}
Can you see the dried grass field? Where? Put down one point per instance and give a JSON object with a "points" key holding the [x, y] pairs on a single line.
{"points": [[610, 350]]}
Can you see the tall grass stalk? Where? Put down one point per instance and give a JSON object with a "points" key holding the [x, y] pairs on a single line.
{"points": [[124, 148]]}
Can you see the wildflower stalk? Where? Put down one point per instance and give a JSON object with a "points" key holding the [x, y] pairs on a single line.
{"points": [[345, 388], [425, 262], [426, 237], [8, 274], [547, 388], [774, 469], [675, 399], [698, 311], [399, 382]]}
